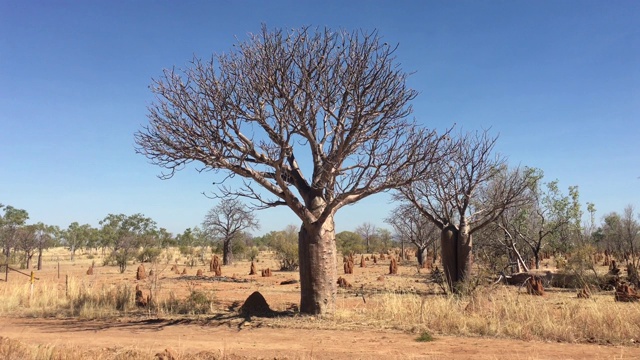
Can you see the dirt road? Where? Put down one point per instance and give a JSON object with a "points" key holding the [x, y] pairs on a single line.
{"points": [[268, 343]]}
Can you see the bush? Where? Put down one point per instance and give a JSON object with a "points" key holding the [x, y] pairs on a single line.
{"points": [[349, 242], [149, 254], [238, 248], [198, 302], [252, 253], [285, 245], [119, 257], [287, 254], [579, 270], [425, 337]]}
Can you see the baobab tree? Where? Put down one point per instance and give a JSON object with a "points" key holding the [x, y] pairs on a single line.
{"points": [[227, 221], [472, 189], [337, 100]]}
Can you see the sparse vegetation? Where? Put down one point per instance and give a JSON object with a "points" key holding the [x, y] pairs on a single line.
{"points": [[425, 337], [497, 311]]}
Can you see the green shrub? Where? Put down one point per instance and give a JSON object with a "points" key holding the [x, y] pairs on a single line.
{"points": [[425, 337], [149, 254]]}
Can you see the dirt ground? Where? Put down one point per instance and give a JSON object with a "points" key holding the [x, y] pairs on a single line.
{"points": [[258, 339], [267, 343]]}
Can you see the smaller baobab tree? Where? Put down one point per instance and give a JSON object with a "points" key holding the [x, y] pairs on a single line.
{"points": [[409, 224], [472, 188], [227, 221]]}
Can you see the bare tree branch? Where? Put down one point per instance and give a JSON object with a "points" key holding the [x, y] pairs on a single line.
{"points": [[336, 96]]}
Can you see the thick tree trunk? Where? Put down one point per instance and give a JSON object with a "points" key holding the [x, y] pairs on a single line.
{"points": [[421, 255], [227, 253], [318, 273], [465, 256], [448, 247], [457, 259]]}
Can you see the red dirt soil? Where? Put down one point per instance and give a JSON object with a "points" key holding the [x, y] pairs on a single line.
{"points": [[271, 343]]}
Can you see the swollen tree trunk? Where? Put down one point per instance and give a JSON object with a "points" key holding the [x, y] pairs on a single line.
{"points": [[449, 250], [227, 253], [318, 273], [465, 257], [457, 259], [421, 255]]}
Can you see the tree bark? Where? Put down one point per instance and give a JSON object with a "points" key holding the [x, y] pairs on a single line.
{"points": [[448, 247], [318, 274], [465, 256], [457, 257], [40, 260], [227, 253], [421, 255]]}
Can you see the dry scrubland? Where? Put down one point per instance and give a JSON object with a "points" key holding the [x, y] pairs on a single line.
{"points": [[406, 302]]}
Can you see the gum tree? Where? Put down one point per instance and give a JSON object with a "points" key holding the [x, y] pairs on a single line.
{"points": [[540, 220], [75, 237], [310, 119], [126, 234], [10, 223]]}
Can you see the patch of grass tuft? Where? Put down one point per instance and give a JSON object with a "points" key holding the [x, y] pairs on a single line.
{"points": [[425, 337]]}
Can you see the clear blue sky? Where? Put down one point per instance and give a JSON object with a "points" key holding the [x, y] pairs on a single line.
{"points": [[559, 81]]}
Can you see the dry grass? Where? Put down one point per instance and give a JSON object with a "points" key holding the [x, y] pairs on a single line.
{"points": [[16, 350], [503, 312]]}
